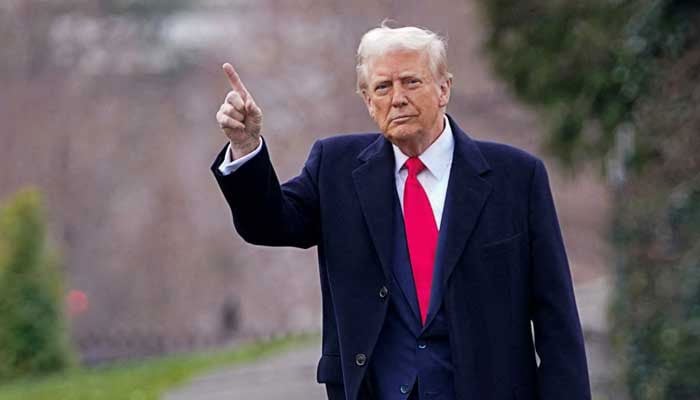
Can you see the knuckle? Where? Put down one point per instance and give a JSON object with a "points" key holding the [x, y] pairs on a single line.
{"points": [[231, 96]]}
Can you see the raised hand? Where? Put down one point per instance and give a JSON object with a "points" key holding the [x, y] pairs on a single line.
{"points": [[239, 117]]}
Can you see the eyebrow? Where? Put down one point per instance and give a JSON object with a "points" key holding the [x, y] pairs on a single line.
{"points": [[403, 75], [374, 84], [409, 74]]}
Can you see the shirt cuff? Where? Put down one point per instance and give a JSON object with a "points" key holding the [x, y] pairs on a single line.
{"points": [[229, 165]]}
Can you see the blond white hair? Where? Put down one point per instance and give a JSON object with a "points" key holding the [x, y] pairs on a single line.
{"points": [[384, 39]]}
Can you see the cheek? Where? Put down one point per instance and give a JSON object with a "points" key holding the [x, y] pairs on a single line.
{"points": [[379, 111]]}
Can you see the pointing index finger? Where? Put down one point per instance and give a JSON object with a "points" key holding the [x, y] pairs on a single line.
{"points": [[234, 79]]}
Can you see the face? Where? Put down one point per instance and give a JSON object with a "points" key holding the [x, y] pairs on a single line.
{"points": [[405, 100]]}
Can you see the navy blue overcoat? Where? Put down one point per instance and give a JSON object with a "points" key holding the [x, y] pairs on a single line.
{"points": [[507, 285]]}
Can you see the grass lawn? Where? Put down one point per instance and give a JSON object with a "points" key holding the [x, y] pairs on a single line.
{"points": [[144, 380]]}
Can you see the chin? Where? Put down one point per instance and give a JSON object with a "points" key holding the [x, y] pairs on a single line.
{"points": [[402, 134]]}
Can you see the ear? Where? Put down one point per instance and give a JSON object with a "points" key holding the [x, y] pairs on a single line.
{"points": [[445, 87], [368, 102]]}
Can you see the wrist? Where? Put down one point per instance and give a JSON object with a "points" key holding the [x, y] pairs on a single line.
{"points": [[243, 148]]}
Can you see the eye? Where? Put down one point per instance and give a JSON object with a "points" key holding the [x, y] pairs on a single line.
{"points": [[381, 87], [413, 82]]}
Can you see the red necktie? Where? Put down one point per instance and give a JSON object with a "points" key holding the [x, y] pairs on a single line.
{"points": [[421, 233]]}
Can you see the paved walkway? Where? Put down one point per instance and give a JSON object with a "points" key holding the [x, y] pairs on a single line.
{"points": [[291, 376]]}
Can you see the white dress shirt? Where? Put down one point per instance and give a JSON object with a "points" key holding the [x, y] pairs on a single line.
{"points": [[229, 164], [437, 159]]}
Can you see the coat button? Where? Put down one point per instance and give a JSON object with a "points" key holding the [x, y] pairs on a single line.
{"points": [[404, 389], [360, 359], [383, 292]]}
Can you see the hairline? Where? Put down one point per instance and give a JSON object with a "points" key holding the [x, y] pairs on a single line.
{"points": [[434, 48]]}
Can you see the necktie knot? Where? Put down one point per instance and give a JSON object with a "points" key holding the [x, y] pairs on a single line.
{"points": [[414, 166]]}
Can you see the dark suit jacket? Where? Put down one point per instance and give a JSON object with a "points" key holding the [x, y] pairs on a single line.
{"points": [[504, 268]]}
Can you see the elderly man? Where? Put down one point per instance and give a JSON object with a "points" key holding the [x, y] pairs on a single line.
{"points": [[438, 254]]}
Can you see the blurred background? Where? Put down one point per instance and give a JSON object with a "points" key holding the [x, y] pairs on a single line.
{"points": [[116, 244]]}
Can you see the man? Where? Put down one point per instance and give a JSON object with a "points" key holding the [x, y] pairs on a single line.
{"points": [[436, 252]]}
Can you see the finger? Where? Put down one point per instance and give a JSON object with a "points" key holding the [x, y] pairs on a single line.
{"points": [[234, 98], [252, 109], [229, 110], [253, 115], [226, 122], [234, 79]]}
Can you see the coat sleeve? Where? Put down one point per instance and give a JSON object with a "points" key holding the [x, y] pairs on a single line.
{"points": [[267, 213], [563, 371]]}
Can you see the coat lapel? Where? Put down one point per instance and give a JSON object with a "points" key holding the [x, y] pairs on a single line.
{"points": [[375, 187], [402, 268], [467, 193]]}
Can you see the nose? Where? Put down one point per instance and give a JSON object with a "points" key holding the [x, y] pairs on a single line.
{"points": [[398, 97]]}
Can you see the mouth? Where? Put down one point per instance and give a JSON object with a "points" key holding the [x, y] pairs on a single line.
{"points": [[401, 119]]}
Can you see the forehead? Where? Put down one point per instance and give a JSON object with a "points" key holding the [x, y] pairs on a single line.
{"points": [[398, 62]]}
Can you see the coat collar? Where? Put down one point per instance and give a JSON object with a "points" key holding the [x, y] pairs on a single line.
{"points": [[375, 187], [467, 192], [464, 147]]}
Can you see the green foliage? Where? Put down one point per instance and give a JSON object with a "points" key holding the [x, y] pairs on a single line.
{"points": [[585, 64], [656, 309], [618, 80], [32, 328], [656, 312]]}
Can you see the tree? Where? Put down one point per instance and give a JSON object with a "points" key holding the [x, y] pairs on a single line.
{"points": [[618, 81], [33, 337]]}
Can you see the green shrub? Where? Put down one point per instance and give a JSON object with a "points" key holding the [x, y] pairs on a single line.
{"points": [[584, 64], [656, 308], [618, 80], [33, 337]]}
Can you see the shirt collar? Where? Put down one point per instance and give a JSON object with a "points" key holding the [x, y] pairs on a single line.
{"points": [[436, 157]]}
